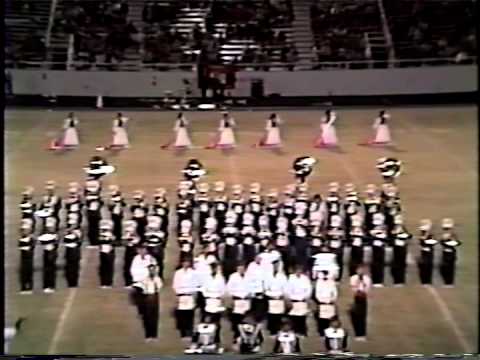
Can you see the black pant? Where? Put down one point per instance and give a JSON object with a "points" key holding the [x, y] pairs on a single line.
{"points": [[26, 270], [184, 322], [299, 324], [235, 320], [378, 264], [356, 259], [130, 252], [49, 269], [106, 269], [399, 265], [158, 253], [93, 229], [425, 267], [339, 258], [358, 315], [141, 225], [150, 315], [447, 271], [274, 322], [259, 307], [322, 325], [72, 265], [117, 228]]}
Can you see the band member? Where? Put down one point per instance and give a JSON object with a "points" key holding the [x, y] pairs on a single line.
{"points": [[94, 204], [70, 134], [107, 254], [213, 290], [226, 137], [251, 337], [49, 242], [161, 209], [98, 167], [250, 246], [389, 168], [351, 207], [401, 238], [184, 209], [326, 294], [272, 209], [357, 244], [182, 139], [391, 208], [427, 253], [204, 206], [360, 284], [74, 203], [336, 242], [185, 240], [328, 137], [131, 240], [300, 240], [148, 302], [255, 202], [272, 132], [51, 205], [336, 338], [238, 287], [449, 243], [332, 202], [206, 338], [26, 246], [381, 129], [193, 171], [117, 208], [27, 206], [275, 291], [378, 238], [120, 136], [230, 250], [302, 168], [72, 240], [139, 212], [286, 341], [299, 292], [141, 262], [256, 277], [372, 205], [155, 241], [185, 285]]}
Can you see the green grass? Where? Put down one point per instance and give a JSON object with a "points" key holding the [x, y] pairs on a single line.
{"points": [[438, 146]]}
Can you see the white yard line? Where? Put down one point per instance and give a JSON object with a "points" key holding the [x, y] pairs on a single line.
{"points": [[59, 329], [446, 313]]}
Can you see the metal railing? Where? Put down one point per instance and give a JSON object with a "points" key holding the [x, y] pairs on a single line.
{"points": [[270, 66]]}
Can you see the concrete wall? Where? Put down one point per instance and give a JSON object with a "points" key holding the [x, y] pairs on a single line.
{"points": [[428, 80]]}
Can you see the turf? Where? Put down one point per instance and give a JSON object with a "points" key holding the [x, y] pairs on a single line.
{"points": [[438, 146]]}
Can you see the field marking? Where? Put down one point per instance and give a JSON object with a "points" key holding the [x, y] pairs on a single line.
{"points": [[447, 314], [417, 129], [52, 349]]}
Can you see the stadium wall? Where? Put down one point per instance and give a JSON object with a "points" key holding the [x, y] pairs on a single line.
{"points": [[319, 83]]}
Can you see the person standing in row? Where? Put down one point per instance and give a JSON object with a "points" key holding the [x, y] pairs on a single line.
{"points": [[326, 294], [156, 241], [94, 204], [148, 302], [239, 289], [131, 241], [26, 246], [449, 243], [401, 238], [185, 285], [360, 284], [117, 208], [72, 240], [378, 236], [213, 290], [275, 291], [299, 291], [49, 241], [107, 254], [427, 252], [27, 206], [139, 212]]}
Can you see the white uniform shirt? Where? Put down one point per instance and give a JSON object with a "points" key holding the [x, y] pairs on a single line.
{"points": [[139, 267], [276, 285], [326, 291], [151, 286], [299, 288], [256, 277], [362, 285], [214, 286], [202, 266], [185, 281], [238, 286]]}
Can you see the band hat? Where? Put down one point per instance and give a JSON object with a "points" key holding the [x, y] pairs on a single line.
{"points": [[447, 223], [28, 191], [138, 194], [219, 186], [273, 193], [26, 224], [425, 225], [50, 185], [398, 219], [378, 219]]}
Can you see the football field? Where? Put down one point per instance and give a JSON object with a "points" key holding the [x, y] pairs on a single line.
{"points": [[438, 146]]}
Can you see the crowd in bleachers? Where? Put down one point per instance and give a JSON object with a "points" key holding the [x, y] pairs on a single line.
{"points": [[432, 29], [338, 28]]}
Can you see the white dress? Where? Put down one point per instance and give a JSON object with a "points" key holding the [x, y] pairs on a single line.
{"points": [[70, 135], [273, 134], [120, 136], [182, 139], [382, 131], [329, 134], [226, 135]]}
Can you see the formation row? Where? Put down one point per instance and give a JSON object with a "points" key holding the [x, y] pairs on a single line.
{"points": [[225, 138]]}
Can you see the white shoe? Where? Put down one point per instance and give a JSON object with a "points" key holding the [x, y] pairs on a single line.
{"points": [[92, 246], [48, 291], [398, 285], [26, 292], [378, 285], [448, 286], [105, 287], [361, 338]]}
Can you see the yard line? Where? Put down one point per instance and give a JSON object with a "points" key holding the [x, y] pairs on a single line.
{"points": [[447, 314], [52, 349]]}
